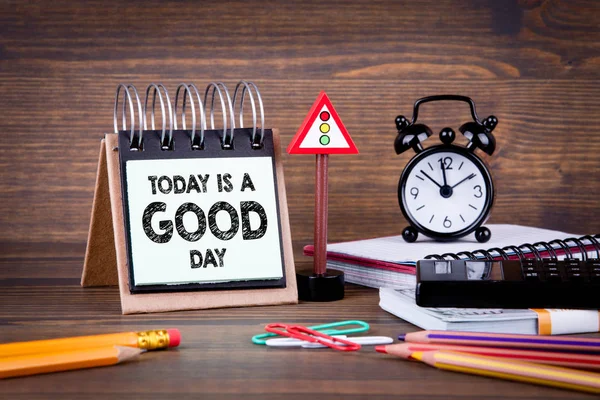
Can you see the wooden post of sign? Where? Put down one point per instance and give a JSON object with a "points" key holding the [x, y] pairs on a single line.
{"points": [[321, 284], [321, 203], [322, 133]]}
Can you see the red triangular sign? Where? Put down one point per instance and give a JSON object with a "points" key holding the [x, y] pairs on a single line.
{"points": [[322, 132]]}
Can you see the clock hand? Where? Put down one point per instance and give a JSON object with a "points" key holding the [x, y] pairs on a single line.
{"points": [[443, 172], [466, 179], [431, 179]]}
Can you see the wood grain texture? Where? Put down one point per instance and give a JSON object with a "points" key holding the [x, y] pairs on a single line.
{"points": [[216, 358], [535, 64]]}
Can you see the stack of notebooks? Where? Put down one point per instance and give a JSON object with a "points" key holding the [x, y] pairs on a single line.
{"points": [[389, 263]]}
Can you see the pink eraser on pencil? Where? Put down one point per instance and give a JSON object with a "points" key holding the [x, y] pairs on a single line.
{"points": [[174, 337]]}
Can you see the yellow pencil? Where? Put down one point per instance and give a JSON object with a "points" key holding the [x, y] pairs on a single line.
{"points": [[67, 360], [522, 371]]}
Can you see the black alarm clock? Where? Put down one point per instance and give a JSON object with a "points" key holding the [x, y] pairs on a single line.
{"points": [[446, 191]]}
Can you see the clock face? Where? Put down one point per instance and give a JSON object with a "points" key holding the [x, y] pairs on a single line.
{"points": [[446, 191]]}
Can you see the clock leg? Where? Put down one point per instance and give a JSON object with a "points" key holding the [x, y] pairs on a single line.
{"points": [[483, 234], [410, 234]]}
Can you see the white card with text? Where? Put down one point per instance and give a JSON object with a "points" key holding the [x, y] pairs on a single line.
{"points": [[203, 220]]}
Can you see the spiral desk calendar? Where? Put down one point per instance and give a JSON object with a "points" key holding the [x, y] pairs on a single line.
{"points": [[194, 217]]}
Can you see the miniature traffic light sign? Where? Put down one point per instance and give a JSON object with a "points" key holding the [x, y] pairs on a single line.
{"points": [[322, 133]]}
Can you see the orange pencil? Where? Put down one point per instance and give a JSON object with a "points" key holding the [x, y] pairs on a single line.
{"points": [[62, 361], [148, 340], [571, 360]]}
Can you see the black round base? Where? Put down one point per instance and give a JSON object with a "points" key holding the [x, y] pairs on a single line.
{"points": [[326, 287]]}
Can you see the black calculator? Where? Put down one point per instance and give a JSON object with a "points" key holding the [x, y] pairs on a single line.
{"points": [[528, 283]]}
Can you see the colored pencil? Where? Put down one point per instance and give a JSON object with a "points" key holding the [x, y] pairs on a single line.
{"points": [[32, 364], [148, 340], [571, 360], [521, 371], [565, 343]]}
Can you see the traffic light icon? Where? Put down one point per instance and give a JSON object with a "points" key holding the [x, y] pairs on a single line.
{"points": [[324, 128], [322, 132]]}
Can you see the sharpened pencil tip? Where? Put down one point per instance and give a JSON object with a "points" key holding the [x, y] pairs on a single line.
{"points": [[402, 336], [125, 353], [381, 349]]}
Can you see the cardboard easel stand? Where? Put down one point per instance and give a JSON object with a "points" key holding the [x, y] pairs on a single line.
{"points": [[106, 259]]}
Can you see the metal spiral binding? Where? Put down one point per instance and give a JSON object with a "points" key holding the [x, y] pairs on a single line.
{"points": [[594, 243], [563, 246], [451, 255], [580, 245], [469, 255], [219, 88], [499, 251], [532, 250], [516, 250], [487, 255], [247, 88], [188, 91], [548, 248], [166, 142], [195, 144], [135, 140]]}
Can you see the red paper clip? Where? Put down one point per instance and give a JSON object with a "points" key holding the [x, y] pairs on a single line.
{"points": [[303, 333]]}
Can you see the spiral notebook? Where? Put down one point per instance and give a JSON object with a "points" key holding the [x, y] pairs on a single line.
{"points": [[390, 261], [199, 214], [401, 303]]}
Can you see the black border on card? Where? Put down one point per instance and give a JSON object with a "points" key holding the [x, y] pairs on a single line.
{"points": [[182, 149]]}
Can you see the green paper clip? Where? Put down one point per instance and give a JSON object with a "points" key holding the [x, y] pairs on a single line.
{"points": [[325, 328]]}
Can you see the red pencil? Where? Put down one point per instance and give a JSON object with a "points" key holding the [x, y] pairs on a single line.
{"points": [[582, 361]]}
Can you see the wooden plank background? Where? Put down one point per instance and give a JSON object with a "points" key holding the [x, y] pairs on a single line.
{"points": [[534, 64]]}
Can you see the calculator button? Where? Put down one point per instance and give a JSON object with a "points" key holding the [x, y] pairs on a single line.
{"points": [[553, 277], [594, 271], [576, 277], [553, 270], [529, 263], [571, 263], [592, 263], [531, 276], [574, 270]]}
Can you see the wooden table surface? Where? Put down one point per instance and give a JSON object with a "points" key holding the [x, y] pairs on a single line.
{"points": [[534, 64], [216, 358]]}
